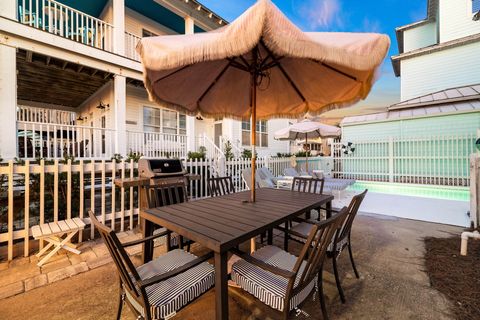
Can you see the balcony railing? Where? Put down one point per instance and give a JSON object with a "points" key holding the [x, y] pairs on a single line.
{"points": [[56, 141], [42, 115], [67, 22], [131, 41], [157, 145]]}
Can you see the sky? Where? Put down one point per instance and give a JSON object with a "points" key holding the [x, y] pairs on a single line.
{"points": [[381, 16]]}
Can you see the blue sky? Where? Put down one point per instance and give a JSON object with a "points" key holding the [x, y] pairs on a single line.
{"points": [[381, 16]]}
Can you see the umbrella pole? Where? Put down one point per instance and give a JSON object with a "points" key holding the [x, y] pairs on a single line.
{"points": [[253, 136], [306, 153]]}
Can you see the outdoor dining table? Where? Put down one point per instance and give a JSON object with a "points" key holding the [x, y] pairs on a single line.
{"points": [[222, 223]]}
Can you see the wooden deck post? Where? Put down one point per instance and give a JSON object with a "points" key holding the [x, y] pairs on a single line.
{"points": [[118, 26]]}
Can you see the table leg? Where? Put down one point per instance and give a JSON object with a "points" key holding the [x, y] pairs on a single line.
{"points": [[147, 230], [221, 286], [270, 237], [329, 209]]}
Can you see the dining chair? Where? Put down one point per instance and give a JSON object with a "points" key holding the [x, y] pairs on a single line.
{"points": [[161, 287], [165, 194], [283, 281], [301, 231], [220, 186]]}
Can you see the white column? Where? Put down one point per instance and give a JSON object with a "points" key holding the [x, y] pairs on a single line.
{"points": [[189, 25], [120, 109], [119, 26], [8, 9], [8, 102], [189, 29]]}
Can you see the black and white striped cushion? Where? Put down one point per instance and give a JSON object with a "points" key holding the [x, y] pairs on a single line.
{"points": [[304, 228], [168, 296], [266, 286]]}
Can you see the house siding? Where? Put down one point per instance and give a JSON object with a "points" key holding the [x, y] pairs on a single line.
{"points": [[455, 18], [440, 70], [448, 125], [420, 37]]}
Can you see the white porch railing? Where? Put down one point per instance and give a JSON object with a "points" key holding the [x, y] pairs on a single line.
{"points": [[438, 160], [157, 145], [57, 141], [131, 41], [43, 115], [67, 22]]}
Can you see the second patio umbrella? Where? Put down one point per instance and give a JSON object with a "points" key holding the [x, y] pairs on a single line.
{"points": [[260, 66], [307, 129]]}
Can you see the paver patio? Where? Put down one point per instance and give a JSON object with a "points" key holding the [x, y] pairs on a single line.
{"points": [[388, 251]]}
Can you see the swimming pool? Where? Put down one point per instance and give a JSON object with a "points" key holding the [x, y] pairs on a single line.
{"points": [[436, 192]]}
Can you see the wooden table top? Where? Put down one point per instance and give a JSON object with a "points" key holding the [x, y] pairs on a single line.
{"points": [[221, 223]]}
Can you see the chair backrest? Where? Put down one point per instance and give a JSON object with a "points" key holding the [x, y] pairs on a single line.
{"points": [[291, 172], [309, 185], [314, 251], [353, 207], [220, 186], [166, 194], [126, 269]]}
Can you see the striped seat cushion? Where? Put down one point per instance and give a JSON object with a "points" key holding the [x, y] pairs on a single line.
{"points": [[266, 286], [168, 296], [304, 229]]}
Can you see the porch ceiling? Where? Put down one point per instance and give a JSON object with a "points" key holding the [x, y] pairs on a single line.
{"points": [[45, 79]]}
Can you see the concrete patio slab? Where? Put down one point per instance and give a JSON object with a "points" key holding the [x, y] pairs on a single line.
{"points": [[389, 254]]}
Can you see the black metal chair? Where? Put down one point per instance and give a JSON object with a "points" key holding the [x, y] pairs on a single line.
{"points": [[161, 287], [300, 233], [220, 186], [282, 280], [166, 194]]}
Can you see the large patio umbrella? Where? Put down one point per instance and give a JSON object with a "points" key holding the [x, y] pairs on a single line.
{"points": [[307, 129], [260, 66]]}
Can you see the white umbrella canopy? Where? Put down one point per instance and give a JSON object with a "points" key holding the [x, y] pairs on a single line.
{"points": [[260, 66], [307, 129]]}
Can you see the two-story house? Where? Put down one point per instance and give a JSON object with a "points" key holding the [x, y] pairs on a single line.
{"points": [[71, 82], [439, 66]]}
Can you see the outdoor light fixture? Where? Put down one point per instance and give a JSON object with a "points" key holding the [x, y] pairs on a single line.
{"points": [[103, 106], [476, 16], [199, 117], [80, 118]]}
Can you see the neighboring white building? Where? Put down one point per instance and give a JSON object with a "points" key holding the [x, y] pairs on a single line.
{"points": [[71, 83], [439, 66], [441, 51]]}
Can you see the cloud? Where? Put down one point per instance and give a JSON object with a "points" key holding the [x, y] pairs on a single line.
{"points": [[371, 25], [323, 13]]}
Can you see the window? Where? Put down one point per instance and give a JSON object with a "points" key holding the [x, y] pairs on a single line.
{"points": [[165, 121], [475, 6], [146, 33], [261, 133]]}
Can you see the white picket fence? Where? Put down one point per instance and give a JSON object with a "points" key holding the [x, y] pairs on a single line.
{"points": [[33, 193], [437, 160]]}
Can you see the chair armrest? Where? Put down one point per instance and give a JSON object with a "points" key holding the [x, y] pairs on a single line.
{"points": [[281, 272], [162, 277], [150, 238]]}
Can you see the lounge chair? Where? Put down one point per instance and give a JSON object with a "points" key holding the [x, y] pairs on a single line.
{"points": [[259, 181]]}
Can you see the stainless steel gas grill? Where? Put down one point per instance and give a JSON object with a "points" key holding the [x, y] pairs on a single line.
{"points": [[162, 171]]}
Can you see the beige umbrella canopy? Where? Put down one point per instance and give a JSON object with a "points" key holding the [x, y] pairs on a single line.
{"points": [[260, 66]]}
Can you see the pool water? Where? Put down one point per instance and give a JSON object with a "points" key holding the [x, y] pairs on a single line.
{"points": [[437, 192]]}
